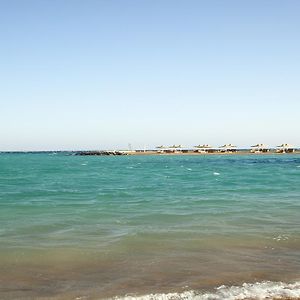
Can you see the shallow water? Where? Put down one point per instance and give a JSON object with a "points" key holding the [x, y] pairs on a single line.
{"points": [[99, 227]]}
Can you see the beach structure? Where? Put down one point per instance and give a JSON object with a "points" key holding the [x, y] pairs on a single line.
{"points": [[203, 148], [285, 148], [228, 148], [174, 149], [161, 149], [259, 148]]}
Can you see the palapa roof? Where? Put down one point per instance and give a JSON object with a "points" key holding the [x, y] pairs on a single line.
{"points": [[228, 146], [203, 146], [260, 146], [285, 146]]}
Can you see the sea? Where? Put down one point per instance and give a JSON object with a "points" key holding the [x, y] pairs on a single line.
{"points": [[204, 227]]}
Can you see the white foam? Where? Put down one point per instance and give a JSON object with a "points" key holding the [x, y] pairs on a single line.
{"points": [[216, 173], [281, 238], [257, 291]]}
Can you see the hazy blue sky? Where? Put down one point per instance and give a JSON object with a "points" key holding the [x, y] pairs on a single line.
{"points": [[101, 74]]}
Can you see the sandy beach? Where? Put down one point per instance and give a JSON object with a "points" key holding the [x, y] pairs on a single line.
{"points": [[239, 152]]}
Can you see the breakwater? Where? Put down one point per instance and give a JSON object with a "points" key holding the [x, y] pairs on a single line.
{"points": [[99, 153]]}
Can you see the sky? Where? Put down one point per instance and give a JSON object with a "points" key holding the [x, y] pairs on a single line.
{"points": [[103, 74]]}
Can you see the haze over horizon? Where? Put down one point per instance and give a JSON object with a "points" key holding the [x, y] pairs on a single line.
{"points": [[103, 74]]}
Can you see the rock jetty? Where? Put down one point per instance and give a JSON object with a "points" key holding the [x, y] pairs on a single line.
{"points": [[100, 153]]}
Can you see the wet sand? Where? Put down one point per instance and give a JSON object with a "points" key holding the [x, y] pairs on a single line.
{"points": [[85, 274]]}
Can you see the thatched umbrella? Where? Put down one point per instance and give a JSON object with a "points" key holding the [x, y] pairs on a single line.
{"points": [[285, 147], [203, 147], [176, 147], [207, 146], [228, 146], [259, 148], [161, 148]]}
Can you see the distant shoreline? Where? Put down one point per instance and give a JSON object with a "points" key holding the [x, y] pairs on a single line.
{"points": [[213, 153], [181, 152], [152, 152]]}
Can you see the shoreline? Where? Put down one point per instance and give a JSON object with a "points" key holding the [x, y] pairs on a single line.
{"points": [[138, 152], [238, 152], [177, 153]]}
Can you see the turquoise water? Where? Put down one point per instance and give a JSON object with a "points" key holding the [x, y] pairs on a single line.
{"points": [[107, 226]]}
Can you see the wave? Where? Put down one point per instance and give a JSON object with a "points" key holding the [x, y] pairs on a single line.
{"points": [[258, 291]]}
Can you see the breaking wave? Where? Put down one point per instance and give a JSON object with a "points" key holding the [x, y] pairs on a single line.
{"points": [[257, 291]]}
